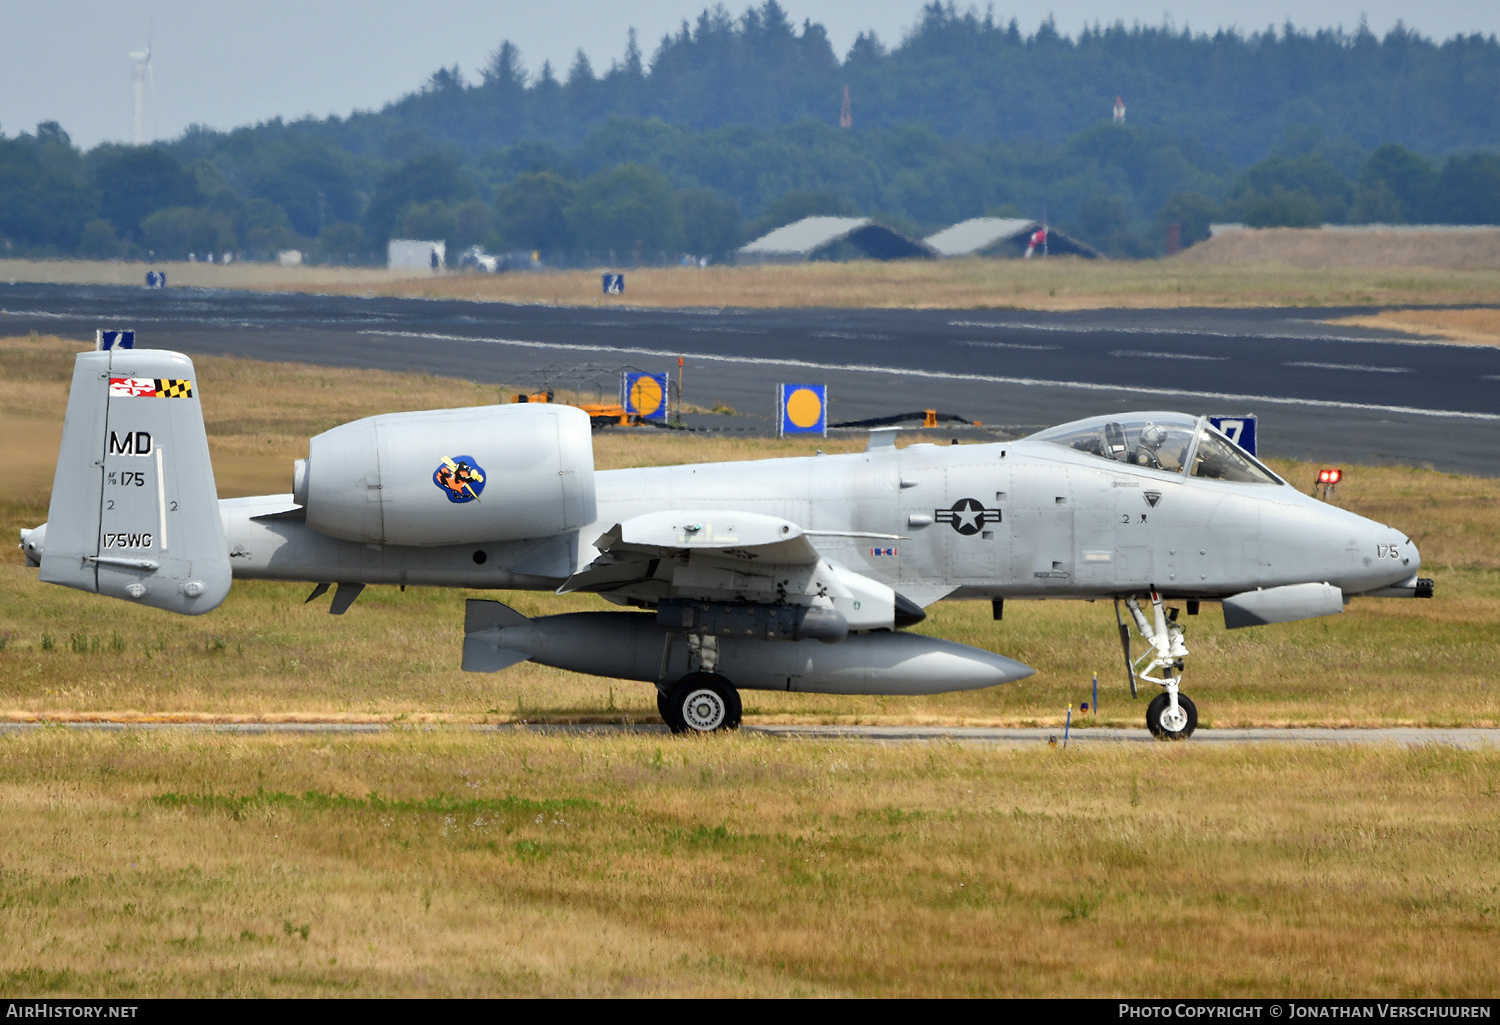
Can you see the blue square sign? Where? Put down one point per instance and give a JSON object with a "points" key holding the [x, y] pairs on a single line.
{"points": [[106, 340], [1238, 429], [614, 284]]}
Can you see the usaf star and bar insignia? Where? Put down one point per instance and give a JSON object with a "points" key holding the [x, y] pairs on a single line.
{"points": [[151, 387], [967, 516]]}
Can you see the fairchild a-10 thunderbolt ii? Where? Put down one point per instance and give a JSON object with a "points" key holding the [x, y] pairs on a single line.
{"points": [[784, 574]]}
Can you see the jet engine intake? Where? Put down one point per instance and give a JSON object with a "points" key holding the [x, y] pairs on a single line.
{"points": [[451, 476], [748, 619]]}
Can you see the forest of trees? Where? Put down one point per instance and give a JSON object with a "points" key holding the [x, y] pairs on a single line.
{"points": [[730, 129]]}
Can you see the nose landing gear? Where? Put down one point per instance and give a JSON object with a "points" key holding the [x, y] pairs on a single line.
{"points": [[1171, 723], [1171, 715]]}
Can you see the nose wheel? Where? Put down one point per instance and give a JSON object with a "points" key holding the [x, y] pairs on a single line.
{"points": [[1171, 714], [1171, 721], [700, 703]]}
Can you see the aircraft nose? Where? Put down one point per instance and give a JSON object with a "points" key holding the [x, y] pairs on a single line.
{"points": [[1389, 555]]}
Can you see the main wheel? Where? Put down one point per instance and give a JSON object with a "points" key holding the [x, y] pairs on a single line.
{"points": [[700, 703], [1164, 725]]}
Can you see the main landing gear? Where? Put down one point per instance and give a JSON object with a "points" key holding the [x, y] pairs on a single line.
{"points": [[700, 703], [1171, 714]]}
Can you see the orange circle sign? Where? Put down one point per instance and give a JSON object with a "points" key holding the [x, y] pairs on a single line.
{"points": [[804, 408], [645, 395]]}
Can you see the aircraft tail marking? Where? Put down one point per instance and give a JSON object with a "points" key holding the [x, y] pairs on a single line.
{"points": [[135, 512]]}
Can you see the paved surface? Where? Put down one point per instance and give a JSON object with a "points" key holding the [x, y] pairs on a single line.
{"points": [[984, 735], [1334, 394]]}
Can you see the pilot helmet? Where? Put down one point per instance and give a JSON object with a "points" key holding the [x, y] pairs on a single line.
{"points": [[1151, 438]]}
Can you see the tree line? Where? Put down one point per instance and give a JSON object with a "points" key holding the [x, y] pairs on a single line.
{"points": [[967, 75], [658, 178], [639, 190]]}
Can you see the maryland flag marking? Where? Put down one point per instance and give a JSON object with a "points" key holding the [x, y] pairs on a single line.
{"points": [[151, 387]]}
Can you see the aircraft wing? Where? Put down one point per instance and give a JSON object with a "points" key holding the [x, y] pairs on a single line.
{"points": [[727, 556], [744, 537], [632, 551]]}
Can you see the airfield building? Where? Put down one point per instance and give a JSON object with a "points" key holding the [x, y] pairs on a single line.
{"points": [[832, 238], [1003, 236], [415, 254]]}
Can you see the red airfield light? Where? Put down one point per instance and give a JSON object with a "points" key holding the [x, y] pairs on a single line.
{"points": [[1328, 482]]}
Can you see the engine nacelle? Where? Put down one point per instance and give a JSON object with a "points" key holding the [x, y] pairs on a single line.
{"points": [[451, 476]]}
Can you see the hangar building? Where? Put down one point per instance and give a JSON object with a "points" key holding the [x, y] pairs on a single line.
{"points": [[814, 238], [1003, 236]]}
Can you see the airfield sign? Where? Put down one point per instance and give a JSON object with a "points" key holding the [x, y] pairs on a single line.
{"points": [[1238, 429], [645, 395], [801, 409]]}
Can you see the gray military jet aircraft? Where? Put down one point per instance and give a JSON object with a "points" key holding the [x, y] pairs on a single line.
{"points": [[785, 574]]}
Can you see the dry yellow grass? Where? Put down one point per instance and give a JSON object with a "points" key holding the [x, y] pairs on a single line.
{"points": [[1471, 327], [1221, 277], [196, 275], [448, 863], [1317, 250], [265, 655], [442, 862]]}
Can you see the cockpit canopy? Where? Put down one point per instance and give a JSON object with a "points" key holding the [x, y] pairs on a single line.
{"points": [[1174, 442]]}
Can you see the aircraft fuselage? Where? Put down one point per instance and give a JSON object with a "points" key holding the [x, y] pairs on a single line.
{"points": [[1005, 520]]}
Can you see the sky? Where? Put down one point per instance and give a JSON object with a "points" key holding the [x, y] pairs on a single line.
{"points": [[225, 64]]}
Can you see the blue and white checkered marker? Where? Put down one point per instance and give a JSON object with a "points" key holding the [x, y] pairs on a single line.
{"points": [[106, 340], [802, 409], [1238, 429], [614, 284], [645, 395]]}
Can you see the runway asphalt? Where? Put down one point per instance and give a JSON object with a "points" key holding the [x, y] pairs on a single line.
{"points": [[1321, 393], [981, 735]]}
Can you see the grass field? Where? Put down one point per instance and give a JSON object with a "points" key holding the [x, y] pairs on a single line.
{"points": [[264, 654], [448, 863], [1207, 278], [1314, 249], [1470, 327], [433, 860]]}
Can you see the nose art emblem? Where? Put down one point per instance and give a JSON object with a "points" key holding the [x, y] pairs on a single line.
{"points": [[1152, 497]]}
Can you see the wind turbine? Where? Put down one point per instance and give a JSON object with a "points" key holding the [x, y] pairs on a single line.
{"points": [[141, 59]]}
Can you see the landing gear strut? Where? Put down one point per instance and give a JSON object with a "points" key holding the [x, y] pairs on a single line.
{"points": [[700, 703], [1171, 715]]}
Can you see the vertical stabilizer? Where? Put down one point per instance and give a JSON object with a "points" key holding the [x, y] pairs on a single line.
{"points": [[135, 513]]}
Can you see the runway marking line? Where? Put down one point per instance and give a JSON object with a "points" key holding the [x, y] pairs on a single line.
{"points": [[1208, 333], [1362, 367]]}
